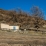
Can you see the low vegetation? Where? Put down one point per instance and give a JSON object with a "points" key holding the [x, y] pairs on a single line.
{"points": [[23, 19], [23, 38]]}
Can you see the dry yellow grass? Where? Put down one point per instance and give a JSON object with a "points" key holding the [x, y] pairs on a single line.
{"points": [[22, 39]]}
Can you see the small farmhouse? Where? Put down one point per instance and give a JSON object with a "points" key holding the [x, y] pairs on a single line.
{"points": [[4, 26], [15, 28]]}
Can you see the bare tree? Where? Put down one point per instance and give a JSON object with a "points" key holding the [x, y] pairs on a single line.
{"points": [[38, 14]]}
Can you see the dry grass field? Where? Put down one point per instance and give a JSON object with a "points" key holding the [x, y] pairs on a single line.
{"points": [[27, 38]]}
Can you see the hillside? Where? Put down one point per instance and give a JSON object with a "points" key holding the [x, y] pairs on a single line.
{"points": [[20, 38], [19, 18]]}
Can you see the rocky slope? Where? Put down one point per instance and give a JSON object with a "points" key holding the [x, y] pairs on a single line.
{"points": [[19, 18]]}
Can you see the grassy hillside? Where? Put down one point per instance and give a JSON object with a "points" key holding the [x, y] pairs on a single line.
{"points": [[18, 39], [19, 18]]}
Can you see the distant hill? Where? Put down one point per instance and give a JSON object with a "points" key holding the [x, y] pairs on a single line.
{"points": [[19, 18]]}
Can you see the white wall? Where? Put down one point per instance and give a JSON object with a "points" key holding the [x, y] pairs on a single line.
{"points": [[12, 27], [4, 26], [7, 27]]}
